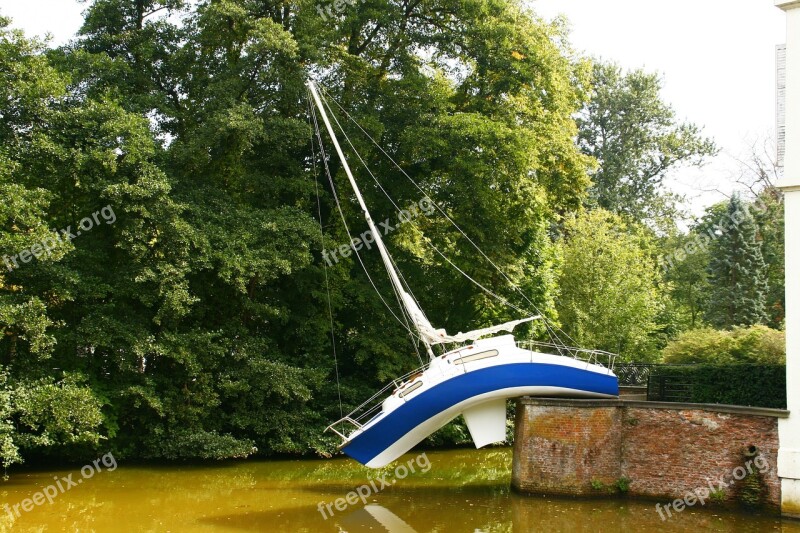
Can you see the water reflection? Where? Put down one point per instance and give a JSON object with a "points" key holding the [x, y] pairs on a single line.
{"points": [[387, 519], [479, 510]]}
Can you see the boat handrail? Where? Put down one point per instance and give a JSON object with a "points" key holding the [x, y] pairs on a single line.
{"points": [[341, 421], [362, 414], [587, 355], [366, 411]]}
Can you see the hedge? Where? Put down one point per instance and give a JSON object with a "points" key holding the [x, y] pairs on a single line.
{"points": [[751, 345], [752, 385]]}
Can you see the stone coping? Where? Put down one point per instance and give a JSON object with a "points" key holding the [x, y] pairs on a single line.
{"points": [[710, 407], [787, 4]]}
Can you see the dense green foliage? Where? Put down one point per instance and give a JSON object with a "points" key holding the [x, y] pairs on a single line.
{"points": [[194, 325], [687, 277], [771, 228], [609, 298], [756, 344], [728, 270], [191, 320], [755, 385]]}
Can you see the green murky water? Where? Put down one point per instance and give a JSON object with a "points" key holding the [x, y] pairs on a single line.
{"points": [[449, 491]]}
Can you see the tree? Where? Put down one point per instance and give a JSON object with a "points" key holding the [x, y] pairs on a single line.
{"points": [[684, 262], [637, 140], [198, 318], [27, 83], [760, 174], [609, 297], [738, 272], [769, 216], [42, 410]]}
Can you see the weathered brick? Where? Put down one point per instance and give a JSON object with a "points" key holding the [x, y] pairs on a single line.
{"points": [[561, 447]]}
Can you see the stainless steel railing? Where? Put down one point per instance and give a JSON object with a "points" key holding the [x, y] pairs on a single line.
{"points": [[361, 415], [590, 356], [364, 413]]}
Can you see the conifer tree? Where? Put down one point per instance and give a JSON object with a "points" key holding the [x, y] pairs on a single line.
{"points": [[738, 271]]}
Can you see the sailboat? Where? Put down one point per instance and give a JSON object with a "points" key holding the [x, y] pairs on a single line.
{"points": [[478, 371]]}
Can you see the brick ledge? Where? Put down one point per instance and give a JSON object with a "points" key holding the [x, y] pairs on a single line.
{"points": [[711, 407]]}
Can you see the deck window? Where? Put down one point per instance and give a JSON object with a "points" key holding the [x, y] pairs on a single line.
{"points": [[475, 357], [411, 388]]}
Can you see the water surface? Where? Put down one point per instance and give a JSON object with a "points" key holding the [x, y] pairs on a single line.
{"points": [[461, 491]]}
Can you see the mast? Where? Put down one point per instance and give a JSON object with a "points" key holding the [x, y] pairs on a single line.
{"points": [[387, 261]]}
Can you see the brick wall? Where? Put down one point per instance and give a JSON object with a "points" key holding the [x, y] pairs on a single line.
{"points": [[585, 447], [560, 449]]}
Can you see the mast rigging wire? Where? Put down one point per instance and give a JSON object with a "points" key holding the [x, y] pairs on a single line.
{"points": [[325, 269], [548, 326], [404, 321]]}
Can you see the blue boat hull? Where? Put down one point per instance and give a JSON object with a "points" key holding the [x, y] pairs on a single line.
{"points": [[397, 424]]}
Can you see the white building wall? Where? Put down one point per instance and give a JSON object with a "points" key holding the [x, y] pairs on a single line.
{"points": [[789, 455], [780, 99]]}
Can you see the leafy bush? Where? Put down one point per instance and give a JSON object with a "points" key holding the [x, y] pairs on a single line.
{"points": [[54, 417], [755, 385], [194, 445], [755, 344], [48, 418], [9, 451]]}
